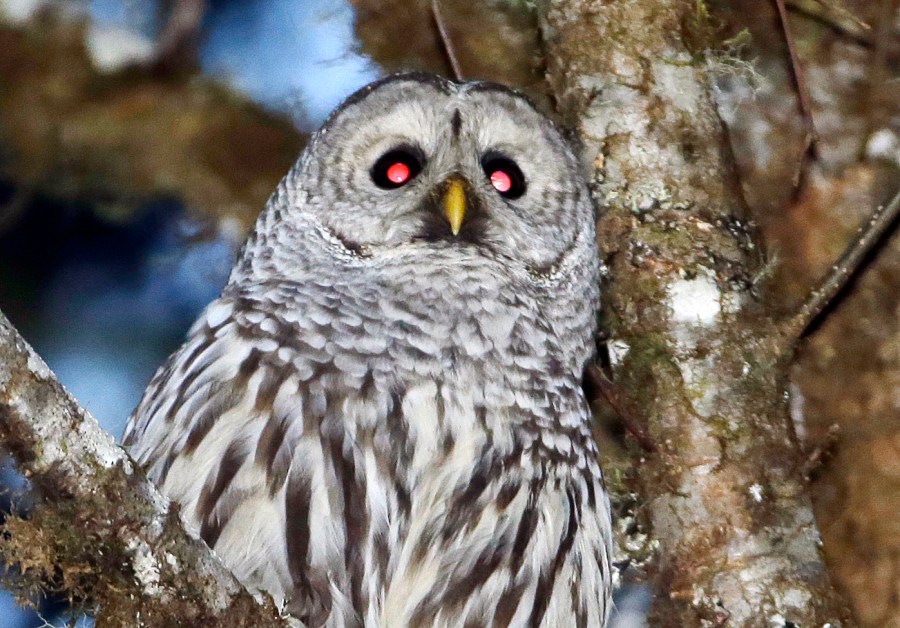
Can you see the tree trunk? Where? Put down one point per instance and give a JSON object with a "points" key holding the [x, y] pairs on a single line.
{"points": [[691, 345]]}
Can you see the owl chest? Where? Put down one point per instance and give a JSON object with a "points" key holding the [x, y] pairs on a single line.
{"points": [[426, 436], [381, 456], [418, 400]]}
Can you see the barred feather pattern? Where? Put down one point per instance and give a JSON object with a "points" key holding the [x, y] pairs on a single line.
{"points": [[386, 439]]}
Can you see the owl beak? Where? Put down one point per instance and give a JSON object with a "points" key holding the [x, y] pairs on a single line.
{"points": [[455, 204]]}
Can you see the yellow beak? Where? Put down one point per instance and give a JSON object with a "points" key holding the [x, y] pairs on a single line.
{"points": [[455, 205]]}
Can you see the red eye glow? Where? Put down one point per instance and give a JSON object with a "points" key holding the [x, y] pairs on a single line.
{"points": [[398, 173], [501, 181], [504, 174]]}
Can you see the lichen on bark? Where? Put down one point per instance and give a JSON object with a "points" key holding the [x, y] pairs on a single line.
{"points": [[695, 349], [100, 533]]}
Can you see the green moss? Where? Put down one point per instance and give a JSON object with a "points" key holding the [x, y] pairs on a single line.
{"points": [[79, 549]]}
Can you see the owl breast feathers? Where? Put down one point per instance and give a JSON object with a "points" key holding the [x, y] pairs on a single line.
{"points": [[380, 421]]}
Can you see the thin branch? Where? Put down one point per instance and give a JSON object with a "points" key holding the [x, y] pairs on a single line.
{"points": [[840, 274], [845, 24], [101, 528], [829, 13], [810, 148], [445, 40]]}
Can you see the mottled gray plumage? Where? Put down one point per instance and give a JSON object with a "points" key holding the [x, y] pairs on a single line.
{"points": [[381, 423]]}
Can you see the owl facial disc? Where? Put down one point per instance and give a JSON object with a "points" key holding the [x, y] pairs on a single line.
{"points": [[418, 167]]}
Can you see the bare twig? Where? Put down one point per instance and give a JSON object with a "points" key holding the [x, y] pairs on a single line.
{"points": [[101, 524], [612, 394], [829, 12], [843, 22], [810, 148], [840, 274], [445, 40], [838, 9]]}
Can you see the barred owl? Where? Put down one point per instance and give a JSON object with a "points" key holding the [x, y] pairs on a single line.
{"points": [[380, 421]]}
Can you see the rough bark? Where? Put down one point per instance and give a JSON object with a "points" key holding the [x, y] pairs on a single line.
{"points": [[101, 533], [690, 343]]}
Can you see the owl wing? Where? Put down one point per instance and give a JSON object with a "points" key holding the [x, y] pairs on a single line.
{"points": [[217, 430]]}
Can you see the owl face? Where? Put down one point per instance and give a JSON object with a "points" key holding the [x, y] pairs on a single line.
{"points": [[415, 163]]}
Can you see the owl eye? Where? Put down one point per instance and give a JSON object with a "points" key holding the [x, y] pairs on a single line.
{"points": [[397, 167], [504, 175]]}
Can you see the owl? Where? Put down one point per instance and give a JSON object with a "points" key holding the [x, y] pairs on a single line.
{"points": [[380, 422]]}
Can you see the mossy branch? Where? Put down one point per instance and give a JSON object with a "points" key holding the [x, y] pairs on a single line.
{"points": [[100, 533]]}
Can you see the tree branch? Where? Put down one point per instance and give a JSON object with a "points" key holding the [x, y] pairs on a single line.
{"points": [[804, 103], [446, 42], [603, 388], [119, 140], [176, 45], [101, 532], [844, 23], [842, 271]]}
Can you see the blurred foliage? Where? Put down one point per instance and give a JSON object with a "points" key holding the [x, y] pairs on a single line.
{"points": [[496, 40], [116, 140], [848, 373]]}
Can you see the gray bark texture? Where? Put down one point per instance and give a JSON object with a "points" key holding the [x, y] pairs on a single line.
{"points": [[100, 532], [700, 358]]}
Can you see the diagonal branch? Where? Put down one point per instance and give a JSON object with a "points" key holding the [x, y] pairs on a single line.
{"points": [[842, 271], [833, 16], [446, 42], [845, 24], [102, 533], [602, 387]]}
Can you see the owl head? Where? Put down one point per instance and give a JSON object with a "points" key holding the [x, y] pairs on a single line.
{"points": [[424, 166]]}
